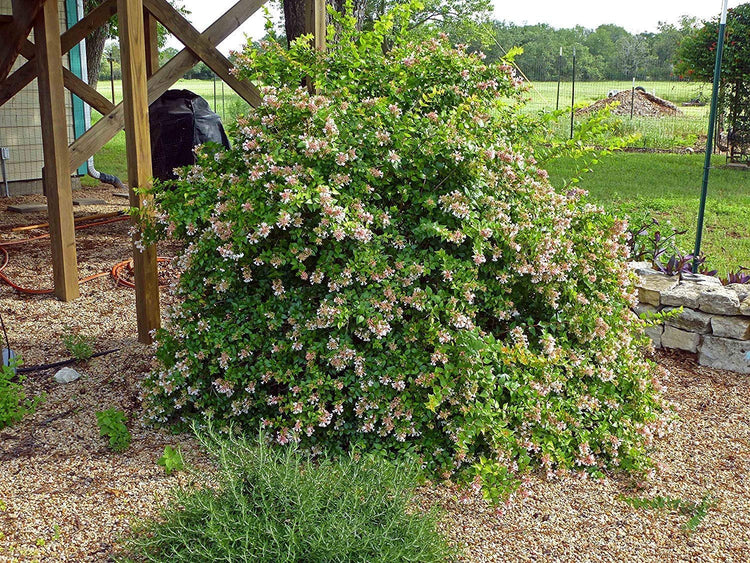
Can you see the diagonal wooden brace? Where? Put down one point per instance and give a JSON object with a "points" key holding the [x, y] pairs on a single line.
{"points": [[75, 84], [109, 125], [15, 32], [27, 72], [193, 40]]}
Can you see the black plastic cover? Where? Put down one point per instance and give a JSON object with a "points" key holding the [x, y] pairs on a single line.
{"points": [[181, 120]]}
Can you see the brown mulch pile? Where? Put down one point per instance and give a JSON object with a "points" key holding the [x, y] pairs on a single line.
{"points": [[65, 497], [644, 105]]}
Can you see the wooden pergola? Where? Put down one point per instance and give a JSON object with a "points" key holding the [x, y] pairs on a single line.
{"points": [[143, 81]]}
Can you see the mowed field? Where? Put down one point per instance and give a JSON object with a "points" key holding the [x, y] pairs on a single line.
{"points": [[222, 99]]}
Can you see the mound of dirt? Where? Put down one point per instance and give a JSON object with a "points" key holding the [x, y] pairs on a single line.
{"points": [[644, 105]]}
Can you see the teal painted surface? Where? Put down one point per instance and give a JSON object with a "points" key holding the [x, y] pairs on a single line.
{"points": [[79, 125]]}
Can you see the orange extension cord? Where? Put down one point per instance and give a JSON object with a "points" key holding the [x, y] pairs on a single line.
{"points": [[115, 272]]}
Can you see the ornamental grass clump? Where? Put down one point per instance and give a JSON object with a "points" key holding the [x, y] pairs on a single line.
{"points": [[277, 505], [382, 264]]}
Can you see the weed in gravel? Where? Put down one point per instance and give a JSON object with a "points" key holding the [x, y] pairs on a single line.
{"points": [[77, 344], [276, 504], [13, 402], [695, 510], [112, 425], [171, 460]]}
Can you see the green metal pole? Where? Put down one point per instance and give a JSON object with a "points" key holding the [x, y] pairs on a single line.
{"points": [[559, 78], [573, 94], [710, 139]]}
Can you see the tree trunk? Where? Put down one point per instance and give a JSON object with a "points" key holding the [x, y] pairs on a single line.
{"points": [[294, 19], [359, 9], [94, 49], [294, 15]]}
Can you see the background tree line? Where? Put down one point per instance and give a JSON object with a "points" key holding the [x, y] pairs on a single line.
{"points": [[608, 52]]}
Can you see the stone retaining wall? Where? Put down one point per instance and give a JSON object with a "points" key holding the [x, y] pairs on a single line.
{"points": [[715, 321]]}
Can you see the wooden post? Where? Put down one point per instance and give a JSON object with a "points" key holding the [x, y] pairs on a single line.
{"points": [[315, 22], [56, 175], [138, 149], [152, 43]]}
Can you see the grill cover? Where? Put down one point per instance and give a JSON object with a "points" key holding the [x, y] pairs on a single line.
{"points": [[181, 120]]}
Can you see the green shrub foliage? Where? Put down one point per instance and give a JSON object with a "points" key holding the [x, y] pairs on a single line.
{"points": [[382, 264]]}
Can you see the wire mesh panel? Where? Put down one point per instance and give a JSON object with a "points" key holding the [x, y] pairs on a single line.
{"points": [[659, 114], [20, 125]]}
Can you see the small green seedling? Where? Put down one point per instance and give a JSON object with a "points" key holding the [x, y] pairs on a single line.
{"points": [[112, 425], [171, 460], [695, 510], [77, 344]]}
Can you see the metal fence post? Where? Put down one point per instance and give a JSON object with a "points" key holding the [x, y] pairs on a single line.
{"points": [[710, 139]]}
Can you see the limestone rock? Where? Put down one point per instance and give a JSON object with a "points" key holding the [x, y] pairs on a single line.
{"points": [[700, 279], [654, 333], [644, 309], [66, 375], [686, 294], [680, 339], [731, 327], [741, 289], [745, 307], [650, 287], [690, 320], [725, 353], [719, 300]]}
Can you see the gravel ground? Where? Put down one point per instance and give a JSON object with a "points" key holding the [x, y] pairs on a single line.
{"points": [[572, 519], [65, 497]]}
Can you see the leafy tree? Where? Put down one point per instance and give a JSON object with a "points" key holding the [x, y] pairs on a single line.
{"points": [[633, 56], [697, 56], [459, 18], [697, 52]]}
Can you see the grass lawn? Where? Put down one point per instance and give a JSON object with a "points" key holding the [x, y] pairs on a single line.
{"points": [[668, 186], [544, 94]]}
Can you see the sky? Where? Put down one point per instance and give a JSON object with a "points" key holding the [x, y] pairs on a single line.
{"points": [[634, 15]]}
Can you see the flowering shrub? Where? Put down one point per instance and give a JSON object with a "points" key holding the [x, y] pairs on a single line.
{"points": [[382, 265]]}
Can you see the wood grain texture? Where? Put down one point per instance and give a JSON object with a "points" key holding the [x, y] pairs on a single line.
{"points": [[193, 40], [107, 127], [88, 94], [151, 27], [56, 175], [138, 150], [16, 31], [27, 72]]}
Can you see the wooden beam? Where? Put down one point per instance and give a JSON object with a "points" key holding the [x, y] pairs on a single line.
{"points": [[138, 149], [193, 40], [75, 84], [88, 94], [107, 127], [93, 20], [56, 175], [15, 33], [151, 27], [27, 72], [17, 81]]}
